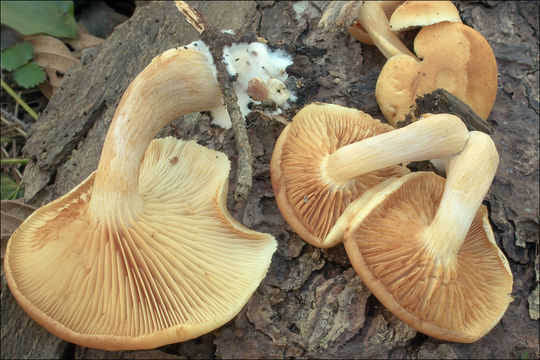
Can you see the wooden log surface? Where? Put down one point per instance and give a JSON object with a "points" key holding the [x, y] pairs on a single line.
{"points": [[311, 304]]}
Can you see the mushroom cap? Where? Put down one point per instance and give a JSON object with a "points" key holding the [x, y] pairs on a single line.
{"points": [[455, 57], [456, 300], [184, 267], [423, 13], [310, 200]]}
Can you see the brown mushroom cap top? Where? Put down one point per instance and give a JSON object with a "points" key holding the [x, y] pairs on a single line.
{"points": [[425, 248], [310, 200], [422, 13], [454, 57]]}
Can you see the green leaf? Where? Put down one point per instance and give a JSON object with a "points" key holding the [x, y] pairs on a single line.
{"points": [[10, 190], [29, 75], [17, 56], [54, 18]]}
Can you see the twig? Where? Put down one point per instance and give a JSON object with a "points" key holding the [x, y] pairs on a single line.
{"points": [[16, 175], [440, 101], [4, 152], [11, 117], [19, 100], [13, 126], [193, 17], [216, 41]]}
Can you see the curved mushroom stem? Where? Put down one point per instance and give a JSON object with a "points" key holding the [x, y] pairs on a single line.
{"points": [[469, 176], [373, 19], [432, 137], [358, 31], [175, 83]]}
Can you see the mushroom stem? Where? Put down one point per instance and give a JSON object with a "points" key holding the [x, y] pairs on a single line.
{"points": [[177, 82], [469, 176], [432, 137], [373, 19]]}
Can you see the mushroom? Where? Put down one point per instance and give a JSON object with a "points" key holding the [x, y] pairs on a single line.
{"points": [[329, 156], [454, 57], [144, 251], [406, 15], [412, 14], [372, 18], [359, 32], [424, 247]]}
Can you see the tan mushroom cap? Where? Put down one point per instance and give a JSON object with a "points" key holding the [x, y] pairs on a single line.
{"points": [[139, 263], [184, 268], [330, 158], [446, 289], [309, 199], [454, 57], [422, 13]]}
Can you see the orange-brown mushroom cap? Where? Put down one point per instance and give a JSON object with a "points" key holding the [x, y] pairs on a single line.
{"points": [[457, 298], [310, 200], [454, 57], [422, 13]]}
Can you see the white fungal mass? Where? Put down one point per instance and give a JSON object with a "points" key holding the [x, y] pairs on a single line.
{"points": [[250, 61]]}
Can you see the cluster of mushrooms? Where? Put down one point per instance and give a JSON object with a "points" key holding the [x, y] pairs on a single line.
{"points": [[144, 252], [421, 243]]}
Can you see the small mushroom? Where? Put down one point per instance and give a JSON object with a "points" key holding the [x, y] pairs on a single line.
{"points": [[360, 33], [412, 14], [372, 18], [367, 19], [329, 156], [454, 57], [257, 89], [143, 252], [424, 247]]}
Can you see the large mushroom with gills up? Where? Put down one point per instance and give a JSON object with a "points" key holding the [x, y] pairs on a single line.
{"points": [[330, 156], [144, 251], [425, 248]]}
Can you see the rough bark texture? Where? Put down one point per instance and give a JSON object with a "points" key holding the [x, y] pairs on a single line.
{"points": [[311, 303]]}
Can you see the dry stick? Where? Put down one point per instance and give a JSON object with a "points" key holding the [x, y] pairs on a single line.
{"points": [[216, 41], [10, 116], [440, 101], [15, 127]]}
